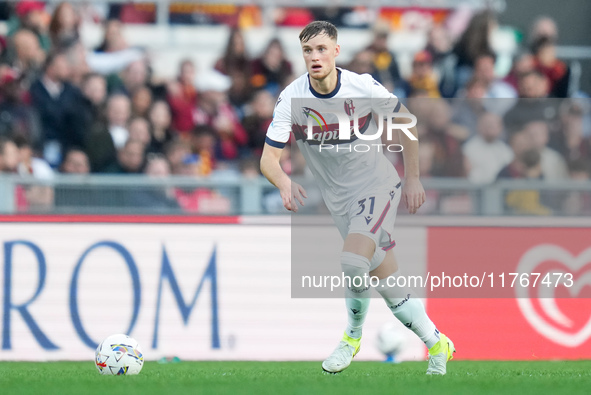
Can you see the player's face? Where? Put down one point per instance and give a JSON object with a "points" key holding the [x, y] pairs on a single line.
{"points": [[319, 54]]}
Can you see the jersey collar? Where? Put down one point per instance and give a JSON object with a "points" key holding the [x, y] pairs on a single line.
{"points": [[328, 95]]}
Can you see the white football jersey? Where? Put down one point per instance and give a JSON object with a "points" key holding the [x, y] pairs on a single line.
{"points": [[343, 169]]}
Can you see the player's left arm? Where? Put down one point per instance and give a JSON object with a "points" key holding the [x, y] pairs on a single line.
{"points": [[413, 192]]}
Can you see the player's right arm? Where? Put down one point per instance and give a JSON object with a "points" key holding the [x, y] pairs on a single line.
{"points": [[277, 136], [270, 167]]}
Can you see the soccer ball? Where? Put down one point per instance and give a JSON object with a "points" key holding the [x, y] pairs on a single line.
{"points": [[390, 341], [119, 355]]}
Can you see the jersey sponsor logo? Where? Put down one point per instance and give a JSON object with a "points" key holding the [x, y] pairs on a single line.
{"points": [[311, 113], [326, 133]]}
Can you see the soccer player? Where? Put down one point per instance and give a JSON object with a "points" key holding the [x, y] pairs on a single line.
{"points": [[361, 189]]}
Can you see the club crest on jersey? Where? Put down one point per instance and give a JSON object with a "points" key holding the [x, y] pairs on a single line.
{"points": [[349, 108]]}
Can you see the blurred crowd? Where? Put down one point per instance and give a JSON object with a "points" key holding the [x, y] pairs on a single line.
{"points": [[70, 109]]}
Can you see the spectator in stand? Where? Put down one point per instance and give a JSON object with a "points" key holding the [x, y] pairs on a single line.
{"points": [[439, 46], [527, 202], [9, 160], [26, 56], [77, 58], [160, 121], [94, 91], [475, 41], [182, 98], [470, 106], [134, 77], [130, 159], [3, 48], [141, 101], [250, 168], [423, 77], [155, 198], [237, 65], [578, 202], [484, 70], [175, 152], [519, 143], [31, 15], [534, 87], [486, 153], [59, 104], [103, 143], [38, 196], [448, 160], [272, 71], [16, 117], [73, 198], [557, 72], [522, 64], [362, 63], [553, 164], [75, 162], [113, 40], [64, 24], [384, 60], [203, 145], [139, 130], [215, 110], [28, 163], [258, 121], [9, 157], [543, 26], [570, 140]]}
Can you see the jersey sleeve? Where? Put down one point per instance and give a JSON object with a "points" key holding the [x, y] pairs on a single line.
{"points": [[279, 130], [382, 101]]}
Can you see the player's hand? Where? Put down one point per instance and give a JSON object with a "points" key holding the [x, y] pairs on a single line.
{"points": [[291, 194], [413, 194]]}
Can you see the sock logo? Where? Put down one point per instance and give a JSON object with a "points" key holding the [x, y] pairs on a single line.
{"points": [[358, 291], [401, 303], [355, 311], [408, 325]]}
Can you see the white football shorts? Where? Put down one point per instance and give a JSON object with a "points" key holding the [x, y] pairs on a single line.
{"points": [[373, 215]]}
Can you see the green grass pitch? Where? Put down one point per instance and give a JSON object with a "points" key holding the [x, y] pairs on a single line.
{"points": [[282, 378]]}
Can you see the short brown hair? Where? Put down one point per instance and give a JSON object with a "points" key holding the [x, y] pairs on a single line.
{"points": [[315, 28]]}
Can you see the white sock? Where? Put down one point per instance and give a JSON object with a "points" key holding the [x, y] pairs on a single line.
{"points": [[356, 296], [411, 312], [356, 313]]}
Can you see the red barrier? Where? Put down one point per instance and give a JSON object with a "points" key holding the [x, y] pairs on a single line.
{"points": [[552, 323]]}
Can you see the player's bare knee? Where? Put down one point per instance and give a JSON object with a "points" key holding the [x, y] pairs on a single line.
{"points": [[360, 244], [387, 266]]}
